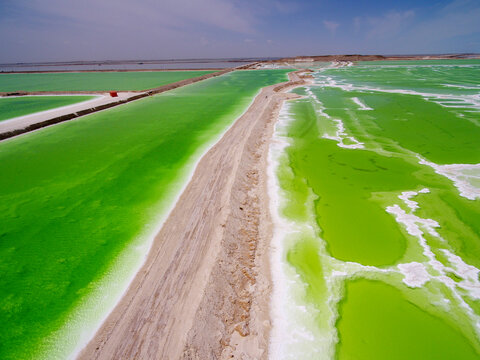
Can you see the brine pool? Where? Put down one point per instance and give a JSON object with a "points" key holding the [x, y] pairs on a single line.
{"points": [[374, 178], [81, 201]]}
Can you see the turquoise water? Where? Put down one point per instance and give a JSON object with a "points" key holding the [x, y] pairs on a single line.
{"points": [[80, 202], [377, 210]]}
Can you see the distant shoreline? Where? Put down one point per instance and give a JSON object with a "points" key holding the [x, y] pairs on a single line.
{"points": [[108, 70], [125, 65], [241, 63], [355, 57]]}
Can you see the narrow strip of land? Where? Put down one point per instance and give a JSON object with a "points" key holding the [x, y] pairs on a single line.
{"points": [[204, 290]]}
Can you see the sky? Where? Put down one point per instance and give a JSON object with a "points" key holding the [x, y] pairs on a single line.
{"points": [[65, 30]]}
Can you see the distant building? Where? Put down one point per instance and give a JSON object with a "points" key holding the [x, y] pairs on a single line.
{"points": [[304, 60]]}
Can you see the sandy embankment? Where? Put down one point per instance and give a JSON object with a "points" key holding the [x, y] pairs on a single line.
{"points": [[204, 290]]}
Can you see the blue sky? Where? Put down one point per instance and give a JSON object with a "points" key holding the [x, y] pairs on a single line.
{"points": [[61, 30]]}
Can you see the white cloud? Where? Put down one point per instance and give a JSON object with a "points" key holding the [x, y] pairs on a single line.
{"points": [[449, 28], [390, 24], [204, 41], [224, 14], [331, 26], [286, 7], [454, 20], [49, 30], [357, 23]]}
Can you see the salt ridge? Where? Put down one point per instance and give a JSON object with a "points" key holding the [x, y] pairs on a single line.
{"points": [[290, 337], [471, 101], [362, 106], [340, 134], [416, 274], [461, 176]]}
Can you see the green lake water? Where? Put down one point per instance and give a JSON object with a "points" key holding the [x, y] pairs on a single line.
{"points": [[377, 178], [80, 202], [94, 81], [379, 323], [25, 105]]}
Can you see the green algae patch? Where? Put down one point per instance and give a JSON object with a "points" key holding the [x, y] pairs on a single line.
{"points": [[354, 226], [25, 105], [437, 135], [445, 77], [377, 322], [460, 223], [304, 256], [94, 81], [77, 196]]}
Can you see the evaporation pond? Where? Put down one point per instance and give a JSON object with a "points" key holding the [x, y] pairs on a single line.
{"points": [[93, 81], [377, 322], [378, 174], [75, 195], [25, 105]]}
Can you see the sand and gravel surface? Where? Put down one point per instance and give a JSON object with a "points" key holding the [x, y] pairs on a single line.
{"points": [[204, 290]]}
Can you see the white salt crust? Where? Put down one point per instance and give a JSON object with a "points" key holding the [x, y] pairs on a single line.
{"points": [[461, 175], [464, 101], [340, 135], [362, 106], [417, 274], [290, 337]]}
